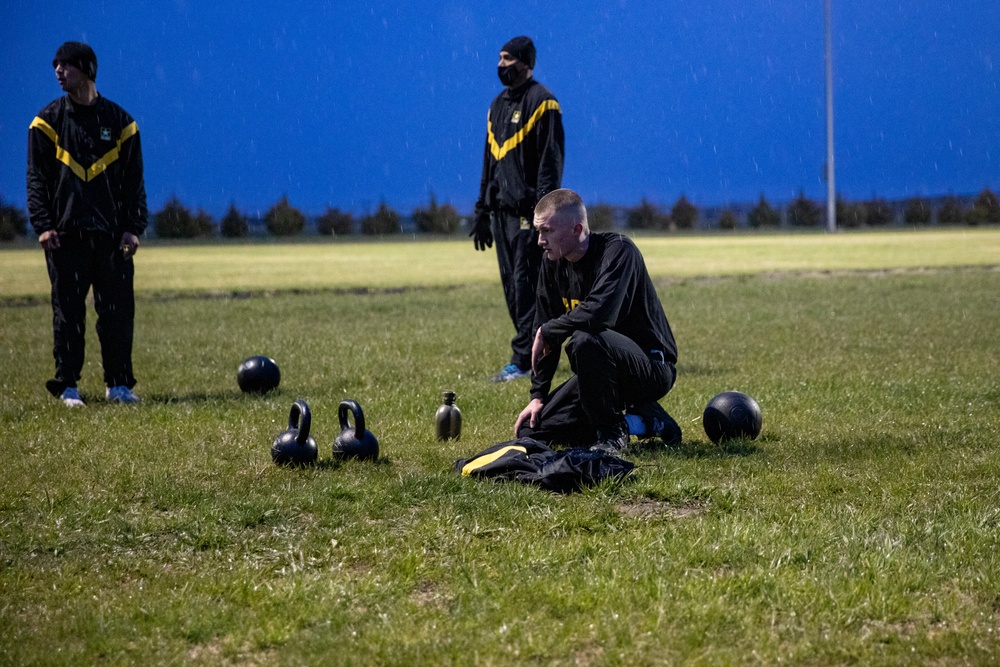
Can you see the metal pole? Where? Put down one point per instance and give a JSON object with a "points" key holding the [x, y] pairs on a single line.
{"points": [[831, 187]]}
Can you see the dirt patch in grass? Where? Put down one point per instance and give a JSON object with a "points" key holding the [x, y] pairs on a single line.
{"points": [[429, 594], [212, 653], [591, 654]]}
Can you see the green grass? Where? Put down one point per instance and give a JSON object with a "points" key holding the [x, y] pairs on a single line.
{"points": [[311, 264], [860, 528]]}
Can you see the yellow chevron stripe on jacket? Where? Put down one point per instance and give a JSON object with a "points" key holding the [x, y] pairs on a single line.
{"points": [[499, 151], [487, 459], [100, 165]]}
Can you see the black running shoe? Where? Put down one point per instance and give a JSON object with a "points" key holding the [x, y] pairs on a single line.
{"points": [[612, 439]]}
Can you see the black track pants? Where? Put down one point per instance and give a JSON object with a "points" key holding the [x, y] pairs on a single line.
{"points": [[85, 261], [519, 258], [611, 373]]}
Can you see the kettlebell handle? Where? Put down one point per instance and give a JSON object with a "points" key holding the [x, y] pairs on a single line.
{"points": [[298, 418], [359, 416]]}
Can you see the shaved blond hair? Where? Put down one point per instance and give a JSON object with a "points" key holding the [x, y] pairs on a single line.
{"points": [[565, 204]]}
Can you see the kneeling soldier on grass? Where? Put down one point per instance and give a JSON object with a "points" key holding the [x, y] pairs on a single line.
{"points": [[596, 298]]}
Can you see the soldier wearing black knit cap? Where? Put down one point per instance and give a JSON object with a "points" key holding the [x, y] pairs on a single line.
{"points": [[522, 162], [87, 203]]}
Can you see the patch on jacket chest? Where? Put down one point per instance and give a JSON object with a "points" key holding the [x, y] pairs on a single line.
{"points": [[516, 118], [105, 134]]}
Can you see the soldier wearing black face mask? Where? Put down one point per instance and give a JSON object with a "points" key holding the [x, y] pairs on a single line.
{"points": [[522, 162]]}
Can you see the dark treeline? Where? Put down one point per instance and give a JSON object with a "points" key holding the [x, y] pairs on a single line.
{"points": [[177, 221]]}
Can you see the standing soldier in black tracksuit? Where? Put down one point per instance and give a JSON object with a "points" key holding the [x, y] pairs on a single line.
{"points": [[595, 295], [522, 162], [87, 202]]}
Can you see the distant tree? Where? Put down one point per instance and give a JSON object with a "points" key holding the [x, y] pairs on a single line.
{"points": [[335, 222], [384, 221], [951, 211], [203, 224], [283, 219], [727, 220], [804, 212], [437, 219], [601, 217], [13, 222], [850, 215], [646, 216], [879, 213], [917, 211], [683, 214], [233, 224], [763, 215], [174, 220], [985, 210]]}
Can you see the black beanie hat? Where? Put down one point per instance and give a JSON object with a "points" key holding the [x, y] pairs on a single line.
{"points": [[80, 56], [523, 49]]}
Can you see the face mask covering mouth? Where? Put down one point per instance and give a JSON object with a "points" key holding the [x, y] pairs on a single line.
{"points": [[508, 75]]}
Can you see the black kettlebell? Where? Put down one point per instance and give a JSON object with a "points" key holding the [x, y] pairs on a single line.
{"points": [[294, 446], [349, 444]]}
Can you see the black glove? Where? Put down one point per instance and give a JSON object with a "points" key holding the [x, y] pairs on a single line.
{"points": [[482, 235]]}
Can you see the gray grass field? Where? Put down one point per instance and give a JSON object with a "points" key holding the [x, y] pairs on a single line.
{"points": [[860, 528]]}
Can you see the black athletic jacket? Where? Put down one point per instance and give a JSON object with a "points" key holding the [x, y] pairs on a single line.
{"points": [[523, 159], [85, 169], [609, 288]]}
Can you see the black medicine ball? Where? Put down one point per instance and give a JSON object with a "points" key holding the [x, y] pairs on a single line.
{"points": [[258, 375], [730, 415]]}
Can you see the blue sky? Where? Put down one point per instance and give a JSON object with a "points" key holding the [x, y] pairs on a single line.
{"points": [[351, 103]]}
